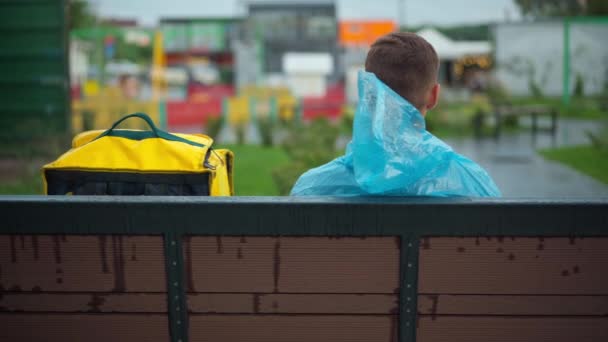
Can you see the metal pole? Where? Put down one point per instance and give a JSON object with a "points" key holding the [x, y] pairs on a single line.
{"points": [[566, 71], [400, 14]]}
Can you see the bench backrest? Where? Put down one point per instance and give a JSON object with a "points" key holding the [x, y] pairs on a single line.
{"points": [[284, 269]]}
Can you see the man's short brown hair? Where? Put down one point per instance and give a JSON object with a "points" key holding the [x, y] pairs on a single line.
{"points": [[405, 62]]}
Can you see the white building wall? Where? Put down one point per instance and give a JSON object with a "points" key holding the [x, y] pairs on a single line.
{"points": [[589, 55], [530, 51], [535, 51]]}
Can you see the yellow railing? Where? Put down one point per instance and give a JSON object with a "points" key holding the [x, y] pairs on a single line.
{"points": [[101, 113]]}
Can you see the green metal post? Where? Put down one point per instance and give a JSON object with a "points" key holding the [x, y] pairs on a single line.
{"points": [[408, 289], [162, 113], [566, 76]]}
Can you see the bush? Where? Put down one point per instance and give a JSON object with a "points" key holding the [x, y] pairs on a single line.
{"points": [[240, 133], [599, 140], [213, 126], [497, 94], [308, 146], [267, 127], [579, 86], [285, 176]]}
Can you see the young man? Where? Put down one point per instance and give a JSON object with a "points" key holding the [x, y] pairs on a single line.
{"points": [[391, 153]]}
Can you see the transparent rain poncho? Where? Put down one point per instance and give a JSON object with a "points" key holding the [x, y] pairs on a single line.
{"points": [[392, 154]]}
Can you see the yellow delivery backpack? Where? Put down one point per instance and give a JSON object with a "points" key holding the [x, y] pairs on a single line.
{"points": [[134, 162]]}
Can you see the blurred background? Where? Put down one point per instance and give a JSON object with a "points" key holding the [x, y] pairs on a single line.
{"points": [[524, 82]]}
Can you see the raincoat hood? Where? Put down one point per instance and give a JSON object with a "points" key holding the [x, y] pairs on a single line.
{"points": [[391, 153]]}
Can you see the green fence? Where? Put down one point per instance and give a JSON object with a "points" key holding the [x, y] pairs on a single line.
{"points": [[34, 74]]}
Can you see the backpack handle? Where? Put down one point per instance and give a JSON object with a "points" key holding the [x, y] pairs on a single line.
{"points": [[158, 133], [142, 116]]}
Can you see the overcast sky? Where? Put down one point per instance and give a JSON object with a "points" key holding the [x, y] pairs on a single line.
{"points": [[416, 12]]}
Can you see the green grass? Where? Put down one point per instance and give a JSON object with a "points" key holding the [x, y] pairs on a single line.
{"points": [[253, 166], [586, 159]]}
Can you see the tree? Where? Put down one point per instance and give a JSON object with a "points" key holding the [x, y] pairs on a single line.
{"points": [[561, 8], [597, 7], [81, 15]]}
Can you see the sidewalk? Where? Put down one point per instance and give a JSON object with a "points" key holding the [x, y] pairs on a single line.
{"points": [[521, 172]]}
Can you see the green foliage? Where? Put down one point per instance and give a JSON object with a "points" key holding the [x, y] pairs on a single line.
{"points": [[314, 144], [550, 8], [308, 147], [579, 86], [453, 119], [467, 32], [497, 93], [267, 128], [597, 7], [136, 54], [80, 14], [460, 32], [346, 121], [600, 140], [213, 126], [239, 130], [603, 98], [562, 8], [285, 176]]}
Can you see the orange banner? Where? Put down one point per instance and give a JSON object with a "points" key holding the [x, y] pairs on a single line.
{"points": [[364, 33]]}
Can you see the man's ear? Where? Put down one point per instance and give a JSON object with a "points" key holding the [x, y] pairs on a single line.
{"points": [[433, 97]]}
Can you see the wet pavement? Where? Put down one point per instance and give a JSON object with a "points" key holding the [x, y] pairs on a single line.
{"points": [[521, 172]]}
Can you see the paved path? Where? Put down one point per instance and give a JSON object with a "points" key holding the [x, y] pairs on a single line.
{"points": [[521, 172]]}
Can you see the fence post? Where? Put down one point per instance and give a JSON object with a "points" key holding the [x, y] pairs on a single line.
{"points": [[176, 294], [408, 287]]}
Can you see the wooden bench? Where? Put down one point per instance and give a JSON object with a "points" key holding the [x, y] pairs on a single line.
{"points": [[501, 112], [285, 269]]}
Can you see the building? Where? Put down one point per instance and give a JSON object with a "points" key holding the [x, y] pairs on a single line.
{"points": [[553, 57], [201, 42], [459, 60], [281, 28]]}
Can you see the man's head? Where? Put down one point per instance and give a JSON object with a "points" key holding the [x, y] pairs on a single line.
{"points": [[408, 64]]}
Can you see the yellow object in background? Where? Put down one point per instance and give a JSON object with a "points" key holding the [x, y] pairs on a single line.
{"points": [[158, 67], [90, 88], [238, 109], [100, 112], [286, 107]]}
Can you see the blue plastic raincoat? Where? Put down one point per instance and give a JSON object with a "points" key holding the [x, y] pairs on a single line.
{"points": [[392, 154]]}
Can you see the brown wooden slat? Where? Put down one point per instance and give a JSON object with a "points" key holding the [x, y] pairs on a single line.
{"points": [[512, 305], [345, 265], [281, 328], [222, 303], [82, 263], [95, 302], [513, 265], [229, 264], [293, 303], [292, 264], [84, 327], [511, 329]]}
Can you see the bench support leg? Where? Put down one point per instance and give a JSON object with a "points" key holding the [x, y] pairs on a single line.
{"points": [[534, 123], [408, 287], [176, 294]]}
